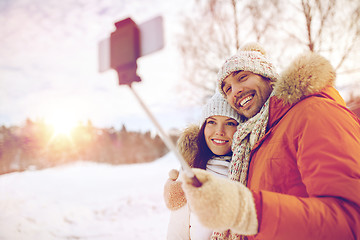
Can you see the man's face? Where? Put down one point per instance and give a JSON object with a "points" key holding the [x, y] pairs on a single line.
{"points": [[246, 92]]}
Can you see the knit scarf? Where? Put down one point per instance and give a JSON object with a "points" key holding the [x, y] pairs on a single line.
{"points": [[244, 139]]}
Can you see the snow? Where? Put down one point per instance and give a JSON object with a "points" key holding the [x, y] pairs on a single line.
{"points": [[86, 200]]}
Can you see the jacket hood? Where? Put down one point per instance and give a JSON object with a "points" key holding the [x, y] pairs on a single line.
{"points": [[308, 74], [186, 143]]}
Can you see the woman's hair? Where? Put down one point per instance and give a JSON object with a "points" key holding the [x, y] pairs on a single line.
{"points": [[203, 153]]}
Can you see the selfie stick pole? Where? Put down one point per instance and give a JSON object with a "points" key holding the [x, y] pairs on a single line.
{"points": [[168, 142]]}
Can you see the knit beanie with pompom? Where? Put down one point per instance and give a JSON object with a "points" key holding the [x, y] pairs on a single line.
{"points": [[218, 106], [252, 58]]}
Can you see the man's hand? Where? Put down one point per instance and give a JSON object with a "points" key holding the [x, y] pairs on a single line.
{"points": [[173, 193], [221, 204]]}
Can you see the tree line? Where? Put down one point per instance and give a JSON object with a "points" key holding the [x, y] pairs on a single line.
{"points": [[36, 146]]}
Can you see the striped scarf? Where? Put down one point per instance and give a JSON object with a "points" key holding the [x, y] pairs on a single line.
{"points": [[244, 140]]}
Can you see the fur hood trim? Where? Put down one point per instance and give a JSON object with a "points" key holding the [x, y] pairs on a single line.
{"points": [[186, 143], [309, 73]]}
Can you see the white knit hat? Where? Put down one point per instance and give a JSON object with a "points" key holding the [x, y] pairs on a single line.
{"points": [[217, 105], [252, 58]]}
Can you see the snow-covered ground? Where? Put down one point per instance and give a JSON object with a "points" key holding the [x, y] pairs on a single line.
{"points": [[86, 200]]}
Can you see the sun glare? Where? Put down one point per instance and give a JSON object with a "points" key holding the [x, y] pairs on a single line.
{"points": [[62, 125]]}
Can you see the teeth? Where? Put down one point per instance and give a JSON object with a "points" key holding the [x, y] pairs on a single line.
{"points": [[243, 102], [219, 141]]}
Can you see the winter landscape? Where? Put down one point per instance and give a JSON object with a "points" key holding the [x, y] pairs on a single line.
{"points": [[85, 200], [51, 86]]}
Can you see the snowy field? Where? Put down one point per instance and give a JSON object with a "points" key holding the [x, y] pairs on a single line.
{"points": [[86, 201]]}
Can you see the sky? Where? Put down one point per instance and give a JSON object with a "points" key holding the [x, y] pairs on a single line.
{"points": [[49, 65], [87, 201]]}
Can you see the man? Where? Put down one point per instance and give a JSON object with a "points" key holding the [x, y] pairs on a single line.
{"points": [[297, 157]]}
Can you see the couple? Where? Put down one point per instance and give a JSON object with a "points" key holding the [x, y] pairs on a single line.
{"points": [[295, 166]]}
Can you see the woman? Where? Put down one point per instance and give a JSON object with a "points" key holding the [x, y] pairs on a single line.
{"points": [[207, 148]]}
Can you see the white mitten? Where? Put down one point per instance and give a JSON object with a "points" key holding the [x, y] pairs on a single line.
{"points": [[174, 195], [221, 204]]}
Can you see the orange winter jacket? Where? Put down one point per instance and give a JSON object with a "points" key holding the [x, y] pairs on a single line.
{"points": [[305, 171]]}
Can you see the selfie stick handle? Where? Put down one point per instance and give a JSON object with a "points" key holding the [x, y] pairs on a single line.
{"points": [[168, 142]]}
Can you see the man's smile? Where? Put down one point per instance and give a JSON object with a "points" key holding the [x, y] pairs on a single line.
{"points": [[242, 101]]}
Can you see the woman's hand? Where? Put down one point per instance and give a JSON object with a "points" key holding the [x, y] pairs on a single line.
{"points": [[173, 193]]}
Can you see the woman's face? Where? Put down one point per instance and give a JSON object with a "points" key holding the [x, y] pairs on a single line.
{"points": [[218, 132]]}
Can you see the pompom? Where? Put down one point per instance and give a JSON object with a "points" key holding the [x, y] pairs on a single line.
{"points": [[256, 47]]}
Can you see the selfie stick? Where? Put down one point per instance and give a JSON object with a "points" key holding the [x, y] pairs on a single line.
{"points": [[126, 44], [168, 142]]}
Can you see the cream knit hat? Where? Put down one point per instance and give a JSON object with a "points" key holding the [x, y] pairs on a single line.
{"points": [[251, 57], [217, 105]]}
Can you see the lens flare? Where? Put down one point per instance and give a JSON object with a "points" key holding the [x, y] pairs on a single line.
{"points": [[62, 125]]}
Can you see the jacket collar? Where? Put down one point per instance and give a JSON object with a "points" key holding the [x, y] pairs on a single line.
{"points": [[308, 75]]}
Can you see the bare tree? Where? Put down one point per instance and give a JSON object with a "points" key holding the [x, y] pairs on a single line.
{"points": [[215, 29], [209, 37], [332, 28]]}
